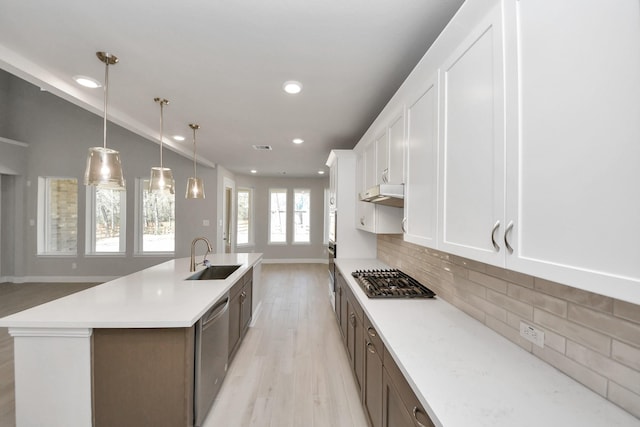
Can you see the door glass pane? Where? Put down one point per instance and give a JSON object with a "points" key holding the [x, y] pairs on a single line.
{"points": [[301, 211], [278, 218]]}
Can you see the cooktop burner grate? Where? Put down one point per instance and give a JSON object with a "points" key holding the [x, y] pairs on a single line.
{"points": [[391, 283]]}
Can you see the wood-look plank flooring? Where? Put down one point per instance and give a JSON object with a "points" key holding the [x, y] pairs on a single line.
{"points": [[14, 298], [292, 368]]}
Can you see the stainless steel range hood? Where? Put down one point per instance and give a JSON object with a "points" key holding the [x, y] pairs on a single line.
{"points": [[385, 194]]}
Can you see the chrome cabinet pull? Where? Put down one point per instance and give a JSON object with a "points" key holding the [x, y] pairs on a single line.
{"points": [[371, 347], [371, 332], [361, 220], [385, 176], [353, 319], [493, 236], [403, 225], [506, 237], [415, 417]]}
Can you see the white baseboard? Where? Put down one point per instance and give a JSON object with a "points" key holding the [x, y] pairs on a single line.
{"points": [[296, 261]]}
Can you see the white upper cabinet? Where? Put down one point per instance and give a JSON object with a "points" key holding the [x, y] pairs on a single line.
{"points": [[390, 152], [420, 207], [473, 145], [574, 159]]}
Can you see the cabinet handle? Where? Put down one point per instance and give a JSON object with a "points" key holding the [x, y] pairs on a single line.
{"points": [[416, 410], [506, 237], [403, 224], [361, 220], [371, 347], [493, 236], [371, 332], [385, 176], [353, 319], [332, 200]]}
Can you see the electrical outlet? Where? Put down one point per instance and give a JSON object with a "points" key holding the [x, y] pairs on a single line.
{"points": [[532, 334]]}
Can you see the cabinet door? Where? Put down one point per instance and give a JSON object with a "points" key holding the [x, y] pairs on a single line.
{"points": [[382, 159], [246, 299], [344, 314], [472, 155], [372, 393], [333, 182], [235, 323], [421, 197], [355, 343], [395, 164], [394, 414], [574, 201]]}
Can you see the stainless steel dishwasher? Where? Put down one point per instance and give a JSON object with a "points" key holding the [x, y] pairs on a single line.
{"points": [[211, 357]]}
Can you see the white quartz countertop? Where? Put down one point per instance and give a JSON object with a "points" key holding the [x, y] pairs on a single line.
{"points": [[465, 374], [156, 297]]}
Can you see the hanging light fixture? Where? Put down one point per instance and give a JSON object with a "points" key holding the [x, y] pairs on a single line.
{"points": [[161, 177], [103, 164], [195, 186]]}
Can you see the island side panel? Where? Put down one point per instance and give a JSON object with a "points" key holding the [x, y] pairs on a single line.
{"points": [[52, 376], [143, 377]]}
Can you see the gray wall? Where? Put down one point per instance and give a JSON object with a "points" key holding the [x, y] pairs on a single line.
{"points": [[314, 251], [59, 134]]}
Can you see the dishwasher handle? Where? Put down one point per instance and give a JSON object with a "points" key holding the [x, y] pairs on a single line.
{"points": [[215, 313]]}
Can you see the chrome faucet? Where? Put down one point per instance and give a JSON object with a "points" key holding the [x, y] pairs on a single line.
{"points": [[192, 266]]}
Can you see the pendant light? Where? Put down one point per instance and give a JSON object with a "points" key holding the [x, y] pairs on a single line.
{"points": [[161, 177], [104, 169], [195, 186]]}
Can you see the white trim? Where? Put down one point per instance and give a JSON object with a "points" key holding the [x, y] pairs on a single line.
{"points": [[296, 261], [50, 332], [256, 314], [13, 142]]}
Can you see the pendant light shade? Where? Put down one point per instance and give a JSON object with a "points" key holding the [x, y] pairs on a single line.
{"points": [[104, 168], [195, 186], [161, 177]]}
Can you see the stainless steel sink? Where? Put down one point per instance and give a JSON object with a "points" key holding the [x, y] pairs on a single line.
{"points": [[215, 272]]}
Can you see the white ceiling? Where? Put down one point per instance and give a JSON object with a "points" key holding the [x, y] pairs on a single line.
{"points": [[222, 63]]}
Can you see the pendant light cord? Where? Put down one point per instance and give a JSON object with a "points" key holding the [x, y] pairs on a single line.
{"points": [[161, 115], [106, 98], [194, 153]]}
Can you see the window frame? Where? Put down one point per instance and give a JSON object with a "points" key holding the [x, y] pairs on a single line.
{"points": [[250, 214], [138, 243], [90, 212], [286, 221], [44, 218], [293, 220]]}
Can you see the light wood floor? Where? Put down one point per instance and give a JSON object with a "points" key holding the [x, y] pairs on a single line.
{"points": [[291, 370], [14, 298]]}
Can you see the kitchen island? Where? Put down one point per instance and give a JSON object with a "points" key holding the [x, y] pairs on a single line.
{"points": [[465, 374], [54, 342]]}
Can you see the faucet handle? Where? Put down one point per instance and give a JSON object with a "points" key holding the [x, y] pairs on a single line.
{"points": [[206, 263]]}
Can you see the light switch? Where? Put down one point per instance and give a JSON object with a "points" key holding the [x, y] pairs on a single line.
{"points": [[205, 222]]}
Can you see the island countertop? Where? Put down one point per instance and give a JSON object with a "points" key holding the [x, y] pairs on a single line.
{"points": [[156, 297]]}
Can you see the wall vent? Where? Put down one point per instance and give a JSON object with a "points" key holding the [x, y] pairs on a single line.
{"points": [[262, 147]]}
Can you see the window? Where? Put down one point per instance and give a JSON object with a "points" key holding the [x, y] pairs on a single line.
{"points": [[106, 231], [244, 231], [278, 216], [301, 224], [156, 232], [57, 216]]}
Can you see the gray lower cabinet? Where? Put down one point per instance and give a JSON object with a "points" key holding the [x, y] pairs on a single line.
{"points": [[387, 398], [373, 373], [143, 377], [400, 406], [240, 313]]}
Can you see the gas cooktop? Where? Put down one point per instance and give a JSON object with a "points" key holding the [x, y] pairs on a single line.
{"points": [[391, 283]]}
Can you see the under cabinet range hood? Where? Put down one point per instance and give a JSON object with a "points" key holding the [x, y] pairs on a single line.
{"points": [[385, 194]]}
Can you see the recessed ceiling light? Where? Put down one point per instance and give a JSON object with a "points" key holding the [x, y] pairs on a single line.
{"points": [[254, 171], [320, 172], [292, 87], [87, 82], [178, 137], [298, 140]]}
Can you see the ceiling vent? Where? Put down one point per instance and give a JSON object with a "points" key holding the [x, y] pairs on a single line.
{"points": [[262, 147]]}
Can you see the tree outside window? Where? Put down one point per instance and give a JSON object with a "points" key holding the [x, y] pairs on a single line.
{"points": [[278, 216], [243, 224], [301, 216], [158, 221], [57, 215]]}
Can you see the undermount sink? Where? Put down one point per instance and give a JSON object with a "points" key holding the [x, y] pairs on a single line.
{"points": [[215, 272]]}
